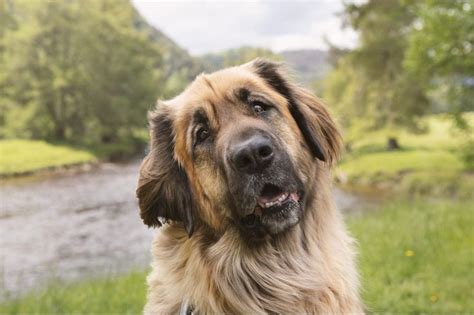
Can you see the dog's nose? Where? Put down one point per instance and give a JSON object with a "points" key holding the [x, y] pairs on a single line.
{"points": [[253, 154]]}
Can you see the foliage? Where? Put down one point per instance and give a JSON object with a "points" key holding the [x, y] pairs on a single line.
{"points": [[441, 52], [23, 156], [370, 82], [414, 57], [76, 71], [346, 94], [417, 256], [113, 295], [178, 67]]}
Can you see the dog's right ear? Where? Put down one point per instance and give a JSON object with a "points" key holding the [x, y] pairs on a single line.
{"points": [[163, 189], [312, 118]]}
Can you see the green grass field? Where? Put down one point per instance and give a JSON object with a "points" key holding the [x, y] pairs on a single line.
{"points": [[123, 295], [415, 257], [24, 156], [427, 163], [437, 132]]}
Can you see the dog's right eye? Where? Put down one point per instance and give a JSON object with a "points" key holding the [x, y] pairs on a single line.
{"points": [[202, 134]]}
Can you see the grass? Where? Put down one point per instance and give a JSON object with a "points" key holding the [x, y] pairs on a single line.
{"points": [[124, 295], [391, 163], [437, 131], [415, 257], [19, 156], [24, 156]]}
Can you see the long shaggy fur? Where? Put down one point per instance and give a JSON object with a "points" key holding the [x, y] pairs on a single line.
{"points": [[307, 269]]}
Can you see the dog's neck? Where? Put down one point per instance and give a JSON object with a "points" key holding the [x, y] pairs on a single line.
{"points": [[313, 258]]}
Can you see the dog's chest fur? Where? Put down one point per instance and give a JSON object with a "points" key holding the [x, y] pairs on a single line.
{"points": [[309, 270]]}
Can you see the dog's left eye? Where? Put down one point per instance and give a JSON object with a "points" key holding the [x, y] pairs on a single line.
{"points": [[258, 107]]}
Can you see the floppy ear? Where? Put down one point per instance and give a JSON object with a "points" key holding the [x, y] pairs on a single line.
{"points": [[163, 188], [313, 119], [315, 123]]}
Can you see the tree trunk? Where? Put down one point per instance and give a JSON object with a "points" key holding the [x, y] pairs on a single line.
{"points": [[392, 144], [59, 132]]}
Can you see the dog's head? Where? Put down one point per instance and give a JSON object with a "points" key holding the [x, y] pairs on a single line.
{"points": [[240, 147]]}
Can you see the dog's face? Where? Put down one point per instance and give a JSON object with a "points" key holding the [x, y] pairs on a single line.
{"points": [[240, 147]]}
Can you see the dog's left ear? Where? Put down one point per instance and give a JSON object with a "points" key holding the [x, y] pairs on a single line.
{"points": [[314, 121], [163, 189]]}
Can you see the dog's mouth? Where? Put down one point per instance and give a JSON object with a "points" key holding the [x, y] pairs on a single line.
{"points": [[273, 199], [276, 209]]}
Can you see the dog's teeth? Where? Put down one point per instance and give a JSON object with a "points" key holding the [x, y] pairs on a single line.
{"points": [[283, 197], [280, 199]]}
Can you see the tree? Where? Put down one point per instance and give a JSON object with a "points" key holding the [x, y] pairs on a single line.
{"points": [[441, 52], [372, 76], [7, 24], [77, 71]]}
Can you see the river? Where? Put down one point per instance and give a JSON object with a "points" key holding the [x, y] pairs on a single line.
{"points": [[76, 225]]}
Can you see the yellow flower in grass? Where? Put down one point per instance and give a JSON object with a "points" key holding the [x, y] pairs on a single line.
{"points": [[434, 298], [409, 253]]}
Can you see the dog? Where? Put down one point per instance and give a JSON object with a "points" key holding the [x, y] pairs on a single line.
{"points": [[238, 178]]}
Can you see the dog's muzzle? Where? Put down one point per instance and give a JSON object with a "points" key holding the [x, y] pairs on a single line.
{"points": [[264, 186]]}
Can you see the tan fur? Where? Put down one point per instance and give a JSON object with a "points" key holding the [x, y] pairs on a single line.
{"points": [[307, 269]]}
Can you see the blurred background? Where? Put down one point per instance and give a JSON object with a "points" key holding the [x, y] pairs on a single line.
{"points": [[78, 76]]}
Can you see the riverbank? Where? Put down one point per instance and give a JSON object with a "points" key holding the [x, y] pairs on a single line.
{"points": [[415, 256], [434, 162], [20, 157]]}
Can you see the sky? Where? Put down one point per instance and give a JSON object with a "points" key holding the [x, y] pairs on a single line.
{"points": [[210, 26]]}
